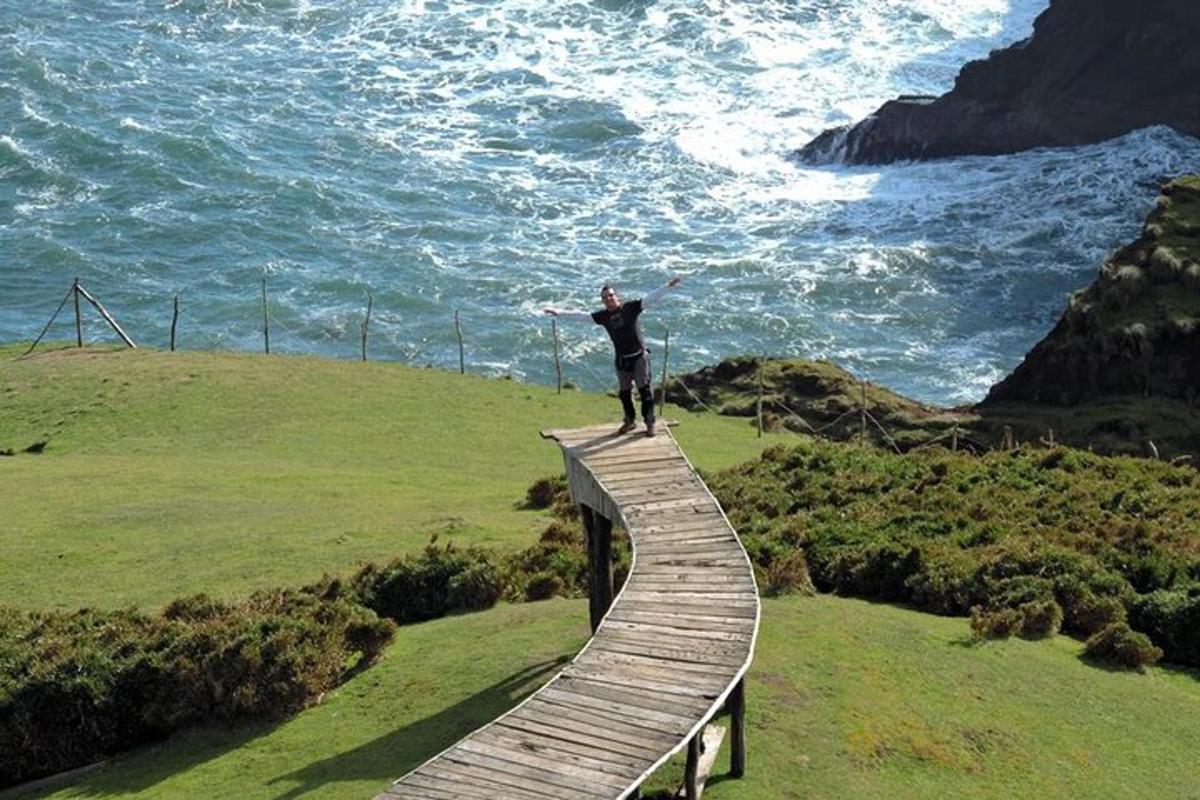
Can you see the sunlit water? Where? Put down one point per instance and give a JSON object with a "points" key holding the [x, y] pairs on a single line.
{"points": [[496, 157]]}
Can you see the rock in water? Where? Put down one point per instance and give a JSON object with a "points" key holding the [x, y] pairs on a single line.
{"points": [[1136, 329], [1092, 70]]}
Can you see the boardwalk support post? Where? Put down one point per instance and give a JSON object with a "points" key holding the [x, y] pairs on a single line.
{"points": [[600, 577], [737, 722], [691, 790]]}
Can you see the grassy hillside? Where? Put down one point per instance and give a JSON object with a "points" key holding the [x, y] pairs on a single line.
{"points": [[172, 473], [847, 699]]}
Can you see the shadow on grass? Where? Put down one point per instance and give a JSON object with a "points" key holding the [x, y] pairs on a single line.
{"points": [[382, 759], [392, 755]]}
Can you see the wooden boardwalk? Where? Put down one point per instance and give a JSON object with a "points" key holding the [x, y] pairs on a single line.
{"points": [[668, 652]]}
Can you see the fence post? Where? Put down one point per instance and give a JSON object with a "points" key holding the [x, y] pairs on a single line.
{"points": [[462, 364], [174, 321], [557, 362], [666, 355], [78, 317], [761, 359], [96, 304], [266, 323], [366, 322], [53, 317], [862, 413]]}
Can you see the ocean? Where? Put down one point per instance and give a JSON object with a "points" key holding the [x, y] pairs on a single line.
{"points": [[493, 158]]}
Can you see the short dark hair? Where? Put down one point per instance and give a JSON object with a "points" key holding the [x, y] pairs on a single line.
{"points": [[608, 287]]}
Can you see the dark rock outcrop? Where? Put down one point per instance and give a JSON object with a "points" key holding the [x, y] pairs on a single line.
{"points": [[1136, 329], [1092, 70]]}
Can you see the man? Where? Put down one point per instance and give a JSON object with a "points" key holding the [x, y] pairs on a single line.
{"points": [[621, 320]]}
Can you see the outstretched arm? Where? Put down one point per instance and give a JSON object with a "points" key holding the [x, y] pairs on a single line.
{"points": [[576, 316], [658, 293]]}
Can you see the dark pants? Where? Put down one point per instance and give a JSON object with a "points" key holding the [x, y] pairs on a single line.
{"points": [[630, 373]]}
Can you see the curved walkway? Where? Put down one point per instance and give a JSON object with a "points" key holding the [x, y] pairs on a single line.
{"points": [[675, 643]]}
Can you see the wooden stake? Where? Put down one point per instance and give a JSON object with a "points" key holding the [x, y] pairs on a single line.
{"points": [[462, 364], [78, 318], [266, 323], [53, 317], [174, 321], [557, 362], [862, 413], [737, 722], [662, 403], [954, 438], [366, 323], [79, 290], [600, 579], [761, 360]]}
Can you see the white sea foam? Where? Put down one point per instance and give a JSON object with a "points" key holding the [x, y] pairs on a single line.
{"points": [[509, 155]]}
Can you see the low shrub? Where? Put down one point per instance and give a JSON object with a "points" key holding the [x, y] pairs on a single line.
{"points": [[440, 580], [998, 623], [542, 586], [787, 575], [1040, 619], [543, 492], [1172, 620], [1119, 644], [79, 686]]}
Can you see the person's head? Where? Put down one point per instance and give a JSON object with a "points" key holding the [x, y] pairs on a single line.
{"points": [[610, 298]]}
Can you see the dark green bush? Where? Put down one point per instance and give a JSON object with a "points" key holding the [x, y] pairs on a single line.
{"points": [[76, 687], [542, 586], [430, 585], [998, 623], [1040, 619], [544, 492], [1172, 620], [1118, 644]]}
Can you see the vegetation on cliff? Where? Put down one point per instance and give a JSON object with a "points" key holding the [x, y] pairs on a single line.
{"points": [[1136, 329]]}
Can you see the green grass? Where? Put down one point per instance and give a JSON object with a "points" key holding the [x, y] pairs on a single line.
{"points": [[852, 699], [172, 473], [847, 699]]}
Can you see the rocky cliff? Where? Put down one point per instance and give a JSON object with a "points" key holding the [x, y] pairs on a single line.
{"points": [[1092, 70], [1136, 329]]}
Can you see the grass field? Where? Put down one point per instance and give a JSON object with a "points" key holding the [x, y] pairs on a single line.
{"points": [[847, 699], [172, 473]]}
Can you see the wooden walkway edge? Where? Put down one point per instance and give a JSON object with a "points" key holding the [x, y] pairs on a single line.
{"points": [[667, 653]]}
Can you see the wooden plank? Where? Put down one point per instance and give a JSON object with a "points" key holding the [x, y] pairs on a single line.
{"points": [[580, 768], [609, 736], [615, 625], [746, 612], [611, 713], [603, 673], [536, 763], [687, 621], [529, 778], [643, 698], [600, 725], [615, 763], [450, 777], [497, 782], [568, 733], [709, 658], [678, 640], [705, 676], [662, 720]]}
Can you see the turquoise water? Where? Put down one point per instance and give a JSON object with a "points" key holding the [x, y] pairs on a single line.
{"points": [[496, 157]]}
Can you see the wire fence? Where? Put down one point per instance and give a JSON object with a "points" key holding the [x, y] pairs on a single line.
{"points": [[295, 341]]}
